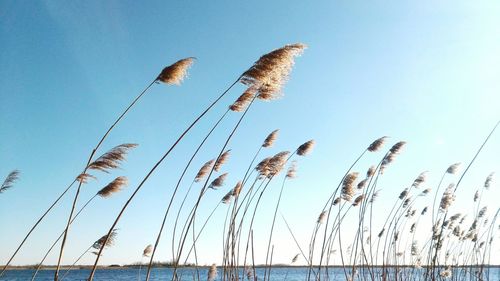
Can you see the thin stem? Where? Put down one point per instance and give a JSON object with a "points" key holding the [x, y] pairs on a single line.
{"points": [[92, 273]]}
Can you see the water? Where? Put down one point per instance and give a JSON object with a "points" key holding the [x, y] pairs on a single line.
{"points": [[129, 274]]}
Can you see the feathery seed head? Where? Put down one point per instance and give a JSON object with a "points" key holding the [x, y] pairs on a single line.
{"points": [[453, 168], [396, 149], [84, 178], [322, 217], [377, 144], [276, 163], [488, 181], [111, 159], [227, 198], [370, 172], [147, 251], [362, 184], [270, 139], [113, 187], [218, 182], [348, 190], [243, 101], [212, 272], [420, 179], [271, 71], [175, 73], [204, 170], [105, 241], [447, 199], [237, 189], [305, 148], [358, 200], [222, 160], [9, 180], [292, 170]]}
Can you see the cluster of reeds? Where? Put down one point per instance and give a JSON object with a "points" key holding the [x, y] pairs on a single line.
{"points": [[454, 247], [375, 252]]}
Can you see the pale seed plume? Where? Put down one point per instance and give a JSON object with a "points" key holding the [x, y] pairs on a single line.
{"points": [[396, 149], [488, 181], [263, 167], [243, 101], [420, 179], [453, 168], [147, 251], [9, 181], [212, 272], [377, 144], [348, 189], [358, 200], [362, 183], [111, 159], [104, 241], [204, 170], [292, 170], [237, 189], [447, 199], [227, 198], [84, 178], [370, 172], [271, 71], [222, 160], [305, 148], [271, 138], [218, 182], [113, 187], [175, 73], [276, 163], [322, 217]]}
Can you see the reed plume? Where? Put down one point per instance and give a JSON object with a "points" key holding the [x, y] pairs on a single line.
{"points": [[453, 169], [113, 187], [227, 198], [348, 190], [276, 163], [295, 258], [84, 178], [237, 189], [243, 100], [448, 198], [271, 71], [292, 170], [174, 74], [9, 181], [322, 217], [419, 180], [305, 148], [222, 160], [270, 139], [218, 182], [358, 200], [212, 272], [489, 180], [147, 251], [377, 144], [106, 240], [204, 170], [111, 159]]}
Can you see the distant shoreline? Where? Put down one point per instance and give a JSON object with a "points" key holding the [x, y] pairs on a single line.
{"points": [[131, 266]]}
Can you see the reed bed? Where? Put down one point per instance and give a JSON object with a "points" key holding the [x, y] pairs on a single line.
{"points": [[457, 246]]}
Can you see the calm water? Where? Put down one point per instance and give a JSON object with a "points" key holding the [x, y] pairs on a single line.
{"points": [[281, 274]]}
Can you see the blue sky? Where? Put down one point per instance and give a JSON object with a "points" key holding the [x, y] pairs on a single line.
{"points": [[424, 72]]}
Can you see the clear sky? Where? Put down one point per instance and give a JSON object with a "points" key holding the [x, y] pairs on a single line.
{"points": [[425, 72]]}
